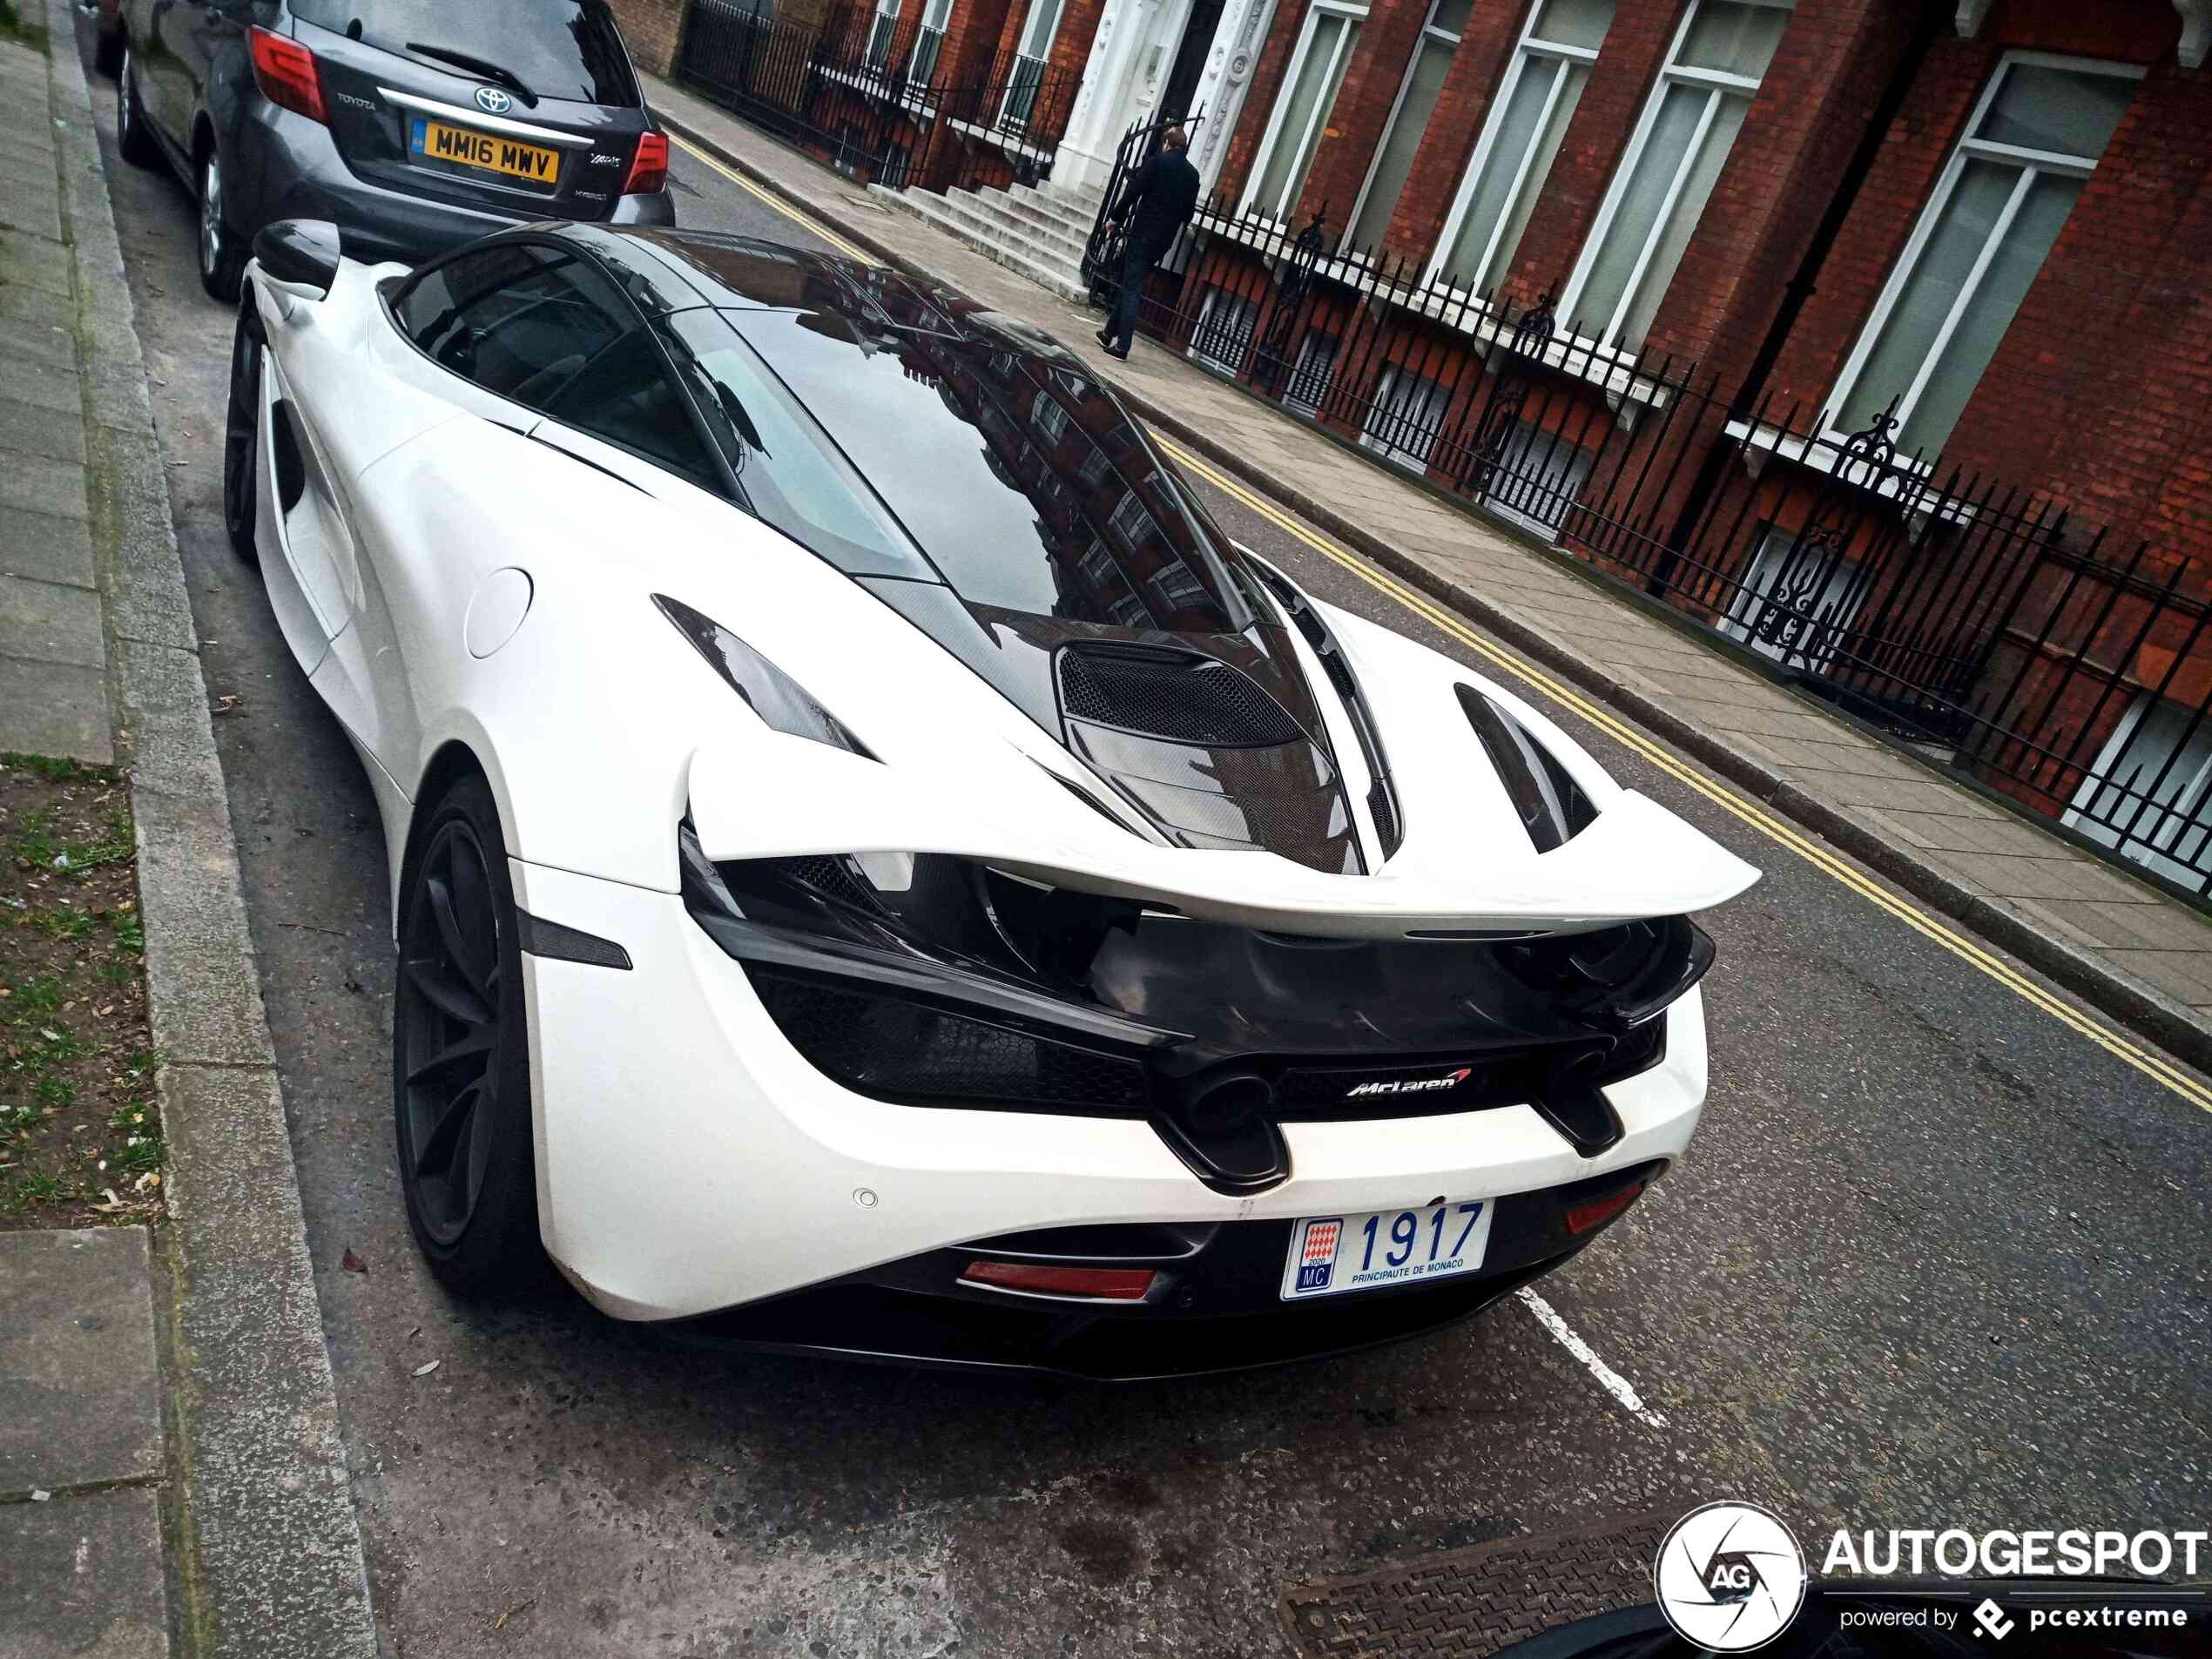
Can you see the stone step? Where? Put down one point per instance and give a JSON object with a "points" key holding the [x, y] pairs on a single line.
{"points": [[1076, 216], [1041, 228], [982, 221], [1047, 274]]}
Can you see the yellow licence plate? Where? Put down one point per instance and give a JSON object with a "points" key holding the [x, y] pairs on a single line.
{"points": [[439, 142]]}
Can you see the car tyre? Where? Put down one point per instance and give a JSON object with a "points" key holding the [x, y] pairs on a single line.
{"points": [[242, 432], [461, 1077], [133, 137], [222, 256]]}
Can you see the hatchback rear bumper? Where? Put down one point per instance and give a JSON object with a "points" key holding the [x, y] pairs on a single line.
{"points": [[292, 170]]}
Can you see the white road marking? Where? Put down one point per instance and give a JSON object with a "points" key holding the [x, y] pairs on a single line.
{"points": [[1611, 1380]]}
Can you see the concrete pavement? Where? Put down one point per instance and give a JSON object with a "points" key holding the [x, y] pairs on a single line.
{"points": [[171, 1477], [53, 649], [2126, 945]]}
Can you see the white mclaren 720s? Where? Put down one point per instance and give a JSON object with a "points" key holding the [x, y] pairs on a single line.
{"points": [[875, 870]]}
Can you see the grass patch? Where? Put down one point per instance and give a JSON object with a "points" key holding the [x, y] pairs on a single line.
{"points": [[80, 1126]]}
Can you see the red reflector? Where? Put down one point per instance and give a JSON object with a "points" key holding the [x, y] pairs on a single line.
{"points": [[1598, 1211], [649, 167], [285, 70], [1103, 1284]]}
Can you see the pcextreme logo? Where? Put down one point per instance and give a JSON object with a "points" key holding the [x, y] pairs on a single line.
{"points": [[1412, 1085], [1729, 1577]]}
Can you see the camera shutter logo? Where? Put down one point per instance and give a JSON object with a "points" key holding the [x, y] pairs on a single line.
{"points": [[1729, 1577]]}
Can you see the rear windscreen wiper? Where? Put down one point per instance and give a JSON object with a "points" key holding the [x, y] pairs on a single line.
{"points": [[490, 71]]}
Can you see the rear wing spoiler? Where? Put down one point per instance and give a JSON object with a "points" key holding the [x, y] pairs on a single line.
{"points": [[1637, 862]]}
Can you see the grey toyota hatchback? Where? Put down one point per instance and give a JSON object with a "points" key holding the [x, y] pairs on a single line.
{"points": [[413, 125]]}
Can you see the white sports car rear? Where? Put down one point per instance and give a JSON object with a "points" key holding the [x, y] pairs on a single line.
{"points": [[876, 870]]}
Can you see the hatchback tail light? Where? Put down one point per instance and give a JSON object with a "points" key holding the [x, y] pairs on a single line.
{"points": [[649, 168], [285, 72]]}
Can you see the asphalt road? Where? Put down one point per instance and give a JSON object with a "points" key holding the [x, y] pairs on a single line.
{"points": [[1933, 1260]]}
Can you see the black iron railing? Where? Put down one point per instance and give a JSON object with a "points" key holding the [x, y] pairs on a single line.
{"points": [[872, 94], [1975, 622]]}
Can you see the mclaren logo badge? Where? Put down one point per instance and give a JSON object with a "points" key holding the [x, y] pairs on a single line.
{"points": [[1411, 1085]]}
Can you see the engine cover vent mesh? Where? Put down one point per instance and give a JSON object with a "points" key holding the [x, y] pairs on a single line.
{"points": [[1182, 699]]}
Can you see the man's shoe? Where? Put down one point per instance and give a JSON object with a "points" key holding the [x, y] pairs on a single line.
{"points": [[1105, 340], [1122, 353]]}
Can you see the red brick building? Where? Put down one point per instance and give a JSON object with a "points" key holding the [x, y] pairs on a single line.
{"points": [[1993, 219]]}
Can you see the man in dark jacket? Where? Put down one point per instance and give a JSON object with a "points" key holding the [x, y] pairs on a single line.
{"points": [[1157, 202]]}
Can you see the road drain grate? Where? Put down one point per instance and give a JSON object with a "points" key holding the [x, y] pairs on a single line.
{"points": [[1472, 1602]]}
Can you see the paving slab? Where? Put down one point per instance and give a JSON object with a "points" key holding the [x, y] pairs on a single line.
{"points": [[34, 484], [32, 262], [28, 209], [81, 1578], [45, 547], [26, 429], [55, 709], [51, 347], [80, 1402], [28, 379], [50, 622]]}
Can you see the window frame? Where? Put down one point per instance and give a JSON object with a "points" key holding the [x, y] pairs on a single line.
{"points": [[883, 29], [1244, 332], [1718, 83], [2179, 813], [1430, 35], [1394, 404], [1528, 44], [1963, 149], [1845, 591], [934, 16], [726, 485], [1354, 12]]}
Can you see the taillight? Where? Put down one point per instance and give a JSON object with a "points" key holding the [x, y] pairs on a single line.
{"points": [[1598, 1211], [1098, 1284], [285, 72], [649, 168]]}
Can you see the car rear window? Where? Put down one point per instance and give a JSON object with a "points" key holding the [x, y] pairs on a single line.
{"points": [[559, 49]]}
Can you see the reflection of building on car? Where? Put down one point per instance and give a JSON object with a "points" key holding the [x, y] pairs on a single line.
{"points": [[410, 124], [971, 911]]}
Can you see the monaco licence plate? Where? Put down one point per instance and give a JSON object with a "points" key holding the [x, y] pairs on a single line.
{"points": [[435, 141], [1332, 1254]]}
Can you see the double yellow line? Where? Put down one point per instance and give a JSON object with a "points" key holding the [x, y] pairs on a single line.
{"points": [[2152, 1065], [850, 250]]}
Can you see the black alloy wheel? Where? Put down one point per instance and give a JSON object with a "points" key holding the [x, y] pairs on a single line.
{"points": [[242, 432], [461, 1054], [222, 256]]}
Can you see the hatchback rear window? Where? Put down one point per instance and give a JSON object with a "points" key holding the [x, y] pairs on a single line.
{"points": [[558, 48]]}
